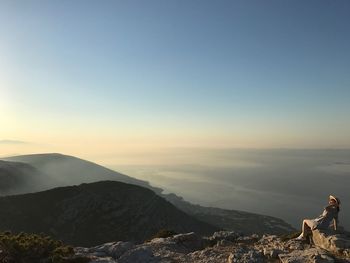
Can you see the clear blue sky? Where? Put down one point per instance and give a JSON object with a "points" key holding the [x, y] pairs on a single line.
{"points": [[232, 73]]}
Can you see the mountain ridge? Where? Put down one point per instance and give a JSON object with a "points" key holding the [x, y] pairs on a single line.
{"points": [[56, 165], [94, 213]]}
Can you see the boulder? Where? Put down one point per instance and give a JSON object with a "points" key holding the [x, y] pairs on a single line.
{"points": [[113, 250], [141, 254], [117, 249], [189, 240], [184, 243], [330, 241]]}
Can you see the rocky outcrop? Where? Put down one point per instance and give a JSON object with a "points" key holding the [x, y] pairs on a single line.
{"points": [[312, 255], [221, 247], [337, 242]]}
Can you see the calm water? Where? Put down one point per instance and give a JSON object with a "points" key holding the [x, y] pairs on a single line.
{"points": [[290, 184]]}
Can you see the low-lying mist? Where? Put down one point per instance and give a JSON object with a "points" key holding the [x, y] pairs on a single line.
{"points": [[290, 184], [45, 171]]}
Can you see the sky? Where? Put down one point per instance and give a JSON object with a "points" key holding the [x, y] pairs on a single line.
{"points": [[97, 78]]}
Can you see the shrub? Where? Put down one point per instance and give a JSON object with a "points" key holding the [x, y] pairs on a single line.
{"points": [[164, 233], [34, 248]]}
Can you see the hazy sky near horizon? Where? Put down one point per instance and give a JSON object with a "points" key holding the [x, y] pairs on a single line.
{"points": [[105, 76]]}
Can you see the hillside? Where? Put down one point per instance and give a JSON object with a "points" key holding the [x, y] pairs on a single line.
{"points": [[16, 178], [62, 170], [95, 213], [69, 170]]}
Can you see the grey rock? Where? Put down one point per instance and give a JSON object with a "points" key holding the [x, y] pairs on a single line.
{"points": [[98, 254], [225, 235], [103, 260], [192, 248], [112, 250], [117, 249], [189, 240], [141, 254], [181, 243], [330, 241], [250, 256]]}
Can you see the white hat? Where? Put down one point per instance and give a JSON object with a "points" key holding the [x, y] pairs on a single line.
{"points": [[332, 197]]}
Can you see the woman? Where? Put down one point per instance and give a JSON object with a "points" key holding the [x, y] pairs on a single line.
{"points": [[330, 213]]}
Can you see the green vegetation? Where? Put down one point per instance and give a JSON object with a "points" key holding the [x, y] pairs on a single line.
{"points": [[33, 248]]}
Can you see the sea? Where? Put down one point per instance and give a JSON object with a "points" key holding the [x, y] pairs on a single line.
{"points": [[291, 184]]}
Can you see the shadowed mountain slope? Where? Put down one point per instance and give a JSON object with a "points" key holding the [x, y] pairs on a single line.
{"points": [[95, 213]]}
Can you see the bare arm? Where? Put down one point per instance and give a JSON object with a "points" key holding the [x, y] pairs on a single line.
{"points": [[335, 223]]}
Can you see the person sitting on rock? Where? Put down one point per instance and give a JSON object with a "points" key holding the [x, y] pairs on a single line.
{"points": [[330, 213]]}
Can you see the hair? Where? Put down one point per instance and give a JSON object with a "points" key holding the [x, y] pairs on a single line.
{"points": [[337, 204], [331, 206]]}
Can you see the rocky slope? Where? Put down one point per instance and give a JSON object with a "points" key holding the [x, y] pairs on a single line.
{"points": [[222, 247], [95, 213], [62, 170]]}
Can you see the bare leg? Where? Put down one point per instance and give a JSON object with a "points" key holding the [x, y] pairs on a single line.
{"points": [[307, 224]]}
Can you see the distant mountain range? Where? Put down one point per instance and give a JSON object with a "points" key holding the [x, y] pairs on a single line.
{"points": [[37, 172], [17, 177], [64, 170]]}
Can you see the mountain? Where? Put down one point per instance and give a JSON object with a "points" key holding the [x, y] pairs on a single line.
{"points": [[95, 213], [16, 177], [63, 170]]}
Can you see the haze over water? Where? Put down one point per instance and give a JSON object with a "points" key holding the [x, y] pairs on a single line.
{"points": [[290, 184]]}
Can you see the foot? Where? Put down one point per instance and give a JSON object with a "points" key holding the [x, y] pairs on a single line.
{"points": [[300, 237]]}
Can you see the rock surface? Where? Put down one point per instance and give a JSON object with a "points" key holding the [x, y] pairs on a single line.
{"points": [[333, 242], [221, 247], [312, 255]]}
